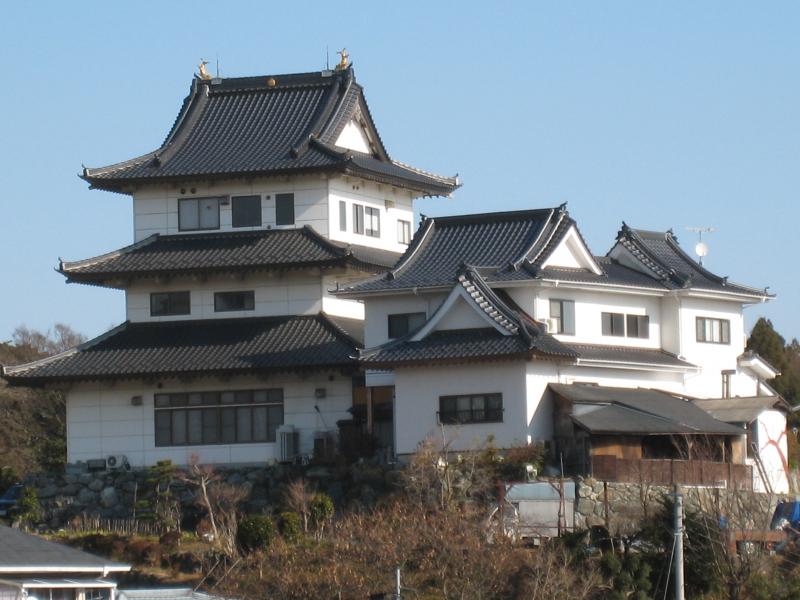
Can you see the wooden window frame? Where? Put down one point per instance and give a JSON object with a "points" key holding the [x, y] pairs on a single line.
{"points": [[483, 413]]}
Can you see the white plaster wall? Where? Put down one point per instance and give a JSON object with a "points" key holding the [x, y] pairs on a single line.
{"points": [[711, 358], [670, 328], [393, 203], [101, 420], [354, 138], [155, 208], [341, 307], [417, 392], [291, 294], [770, 437], [462, 315], [589, 304], [378, 308]]}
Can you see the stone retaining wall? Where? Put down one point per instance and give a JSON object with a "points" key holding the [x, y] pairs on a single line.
{"points": [[113, 494], [622, 506]]}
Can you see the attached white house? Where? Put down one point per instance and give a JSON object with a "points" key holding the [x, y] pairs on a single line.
{"points": [[484, 313], [267, 193]]}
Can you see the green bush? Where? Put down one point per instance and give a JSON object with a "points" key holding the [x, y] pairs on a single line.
{"points": [[8, 477], [290, 526], [320, 510], [30, 511], [256, 532]]}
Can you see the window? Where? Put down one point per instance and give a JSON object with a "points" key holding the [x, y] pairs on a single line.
{"points": [[622, 325], [405, 323], [164, 304], [227, 301], [563, 313], [198, 213], [404, 232], [284, 209], [358, 218], [342, 215], [197, 418], [372, 221], [246, 211], [638, 326], [726, 383], [613, 324], [472, 408], [713, 331]]}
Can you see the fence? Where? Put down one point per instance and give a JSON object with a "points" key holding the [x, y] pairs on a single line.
{"points": [[668, 472]]}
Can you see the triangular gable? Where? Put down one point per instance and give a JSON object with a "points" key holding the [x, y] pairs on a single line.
{"points": [[572, 253], [459, 308], [354, 137], [624, 257]]}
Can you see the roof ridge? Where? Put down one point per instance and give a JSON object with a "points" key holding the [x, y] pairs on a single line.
{"points": [[337, 329], [424, 229], [323, 115], [515, 263]]}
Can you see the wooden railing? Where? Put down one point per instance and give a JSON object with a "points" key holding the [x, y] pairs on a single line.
{"points": [[668, 472]]}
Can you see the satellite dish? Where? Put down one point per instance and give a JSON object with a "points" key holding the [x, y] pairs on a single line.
{"points": [[701, 249]]}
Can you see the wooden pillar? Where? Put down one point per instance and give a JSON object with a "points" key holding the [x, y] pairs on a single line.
{"points": [[369, 410]]}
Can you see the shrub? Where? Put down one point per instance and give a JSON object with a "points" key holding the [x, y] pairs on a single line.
{"points": [[255, 532], [290, 525], [320, 511], [30, 511]]}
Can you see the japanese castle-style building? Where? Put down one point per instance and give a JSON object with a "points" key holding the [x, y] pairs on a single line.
{"points": [[267, 193], [274, 288]]}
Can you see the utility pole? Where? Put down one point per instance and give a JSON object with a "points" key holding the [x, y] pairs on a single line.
{"points": [[678, 556]]}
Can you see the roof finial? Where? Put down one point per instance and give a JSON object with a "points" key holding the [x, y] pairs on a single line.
{"points": [[344, 61], [203, 74]]}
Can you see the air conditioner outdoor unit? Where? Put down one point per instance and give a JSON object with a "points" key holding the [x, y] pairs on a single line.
{"points": [[117, 462], [288, 443]]}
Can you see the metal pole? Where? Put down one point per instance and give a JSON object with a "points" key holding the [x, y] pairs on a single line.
{"points": [[678, 529], [397, 584]]}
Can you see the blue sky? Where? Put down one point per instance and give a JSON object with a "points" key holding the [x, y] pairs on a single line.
{"points": [[662, 114]]}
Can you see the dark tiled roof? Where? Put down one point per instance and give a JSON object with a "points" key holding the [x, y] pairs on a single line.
{"points": [[494, 244], [20, 550], [610, 410], [516, 335], [266, 125], [226, 251], [256, 344], [741, 410], [660, 254], [629, 356]]}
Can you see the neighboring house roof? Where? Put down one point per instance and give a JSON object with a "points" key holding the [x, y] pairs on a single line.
{"points": [[22, 552], [660, 254], [613, 410], [757, 363], [192, 347], [742, 409], [275, 249], [626, 355], [270, 125]]}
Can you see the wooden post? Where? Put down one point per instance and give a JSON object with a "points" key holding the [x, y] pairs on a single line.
{"points": [[605, 504]]}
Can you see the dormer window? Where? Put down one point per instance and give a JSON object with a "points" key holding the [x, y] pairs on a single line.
{"points": [[196, 214]]}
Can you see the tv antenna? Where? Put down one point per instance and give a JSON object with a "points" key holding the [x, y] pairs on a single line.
{"points": [[701, 248]]}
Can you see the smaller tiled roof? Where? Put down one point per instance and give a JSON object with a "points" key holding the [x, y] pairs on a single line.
{"points": [[741, 409], [660, 254], [496, 245], [229, 251], [270, 125], [174, 348], [614, 410], [22, 552], [516, 334], [627, 355]]}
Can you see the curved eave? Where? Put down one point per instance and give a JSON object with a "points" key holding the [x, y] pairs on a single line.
{"points": [[127, 185], [637, 366], [120, 280], [455, 360], [21, 380]]}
